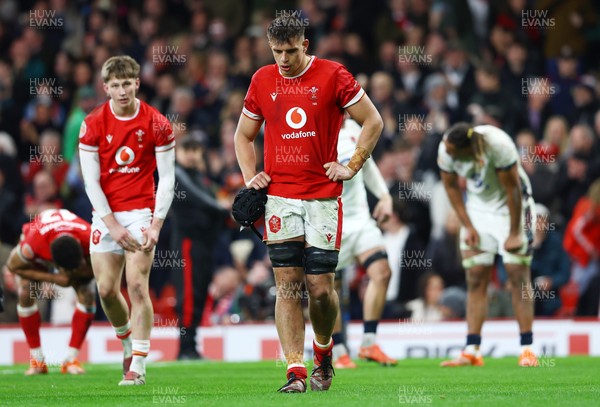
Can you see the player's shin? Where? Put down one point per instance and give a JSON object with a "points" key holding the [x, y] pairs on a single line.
{"points": [[30, 320], [80, 324]]}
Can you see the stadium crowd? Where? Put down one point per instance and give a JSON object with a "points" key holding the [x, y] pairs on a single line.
{"points": [[529, 67]]}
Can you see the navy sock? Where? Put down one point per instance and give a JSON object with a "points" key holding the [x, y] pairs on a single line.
{"points": [[338, 339], [371, 326], [526, 338], [473, 339]]}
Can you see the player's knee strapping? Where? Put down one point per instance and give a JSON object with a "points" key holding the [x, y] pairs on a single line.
{"points": [[374, 257], [320, 261], [481, 259], [516, 259], [287, 254]]}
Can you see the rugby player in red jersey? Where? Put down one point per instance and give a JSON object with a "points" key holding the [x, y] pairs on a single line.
{"points": [[121, 143], [55, 239], [301, 100]]}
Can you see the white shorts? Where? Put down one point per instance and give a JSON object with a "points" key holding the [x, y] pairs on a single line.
{"points": [[357, 239], [493, 230], [135, 221], [318, 220]]}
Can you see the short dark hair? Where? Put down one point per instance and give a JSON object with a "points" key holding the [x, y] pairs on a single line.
{"points": [[66, 252], [285, 28]]}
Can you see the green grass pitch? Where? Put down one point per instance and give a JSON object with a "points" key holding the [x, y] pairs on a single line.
{"points": [[573, 381]]}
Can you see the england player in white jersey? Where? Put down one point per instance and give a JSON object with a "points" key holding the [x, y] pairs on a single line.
{"points": [[496, 220], [362, 242]]}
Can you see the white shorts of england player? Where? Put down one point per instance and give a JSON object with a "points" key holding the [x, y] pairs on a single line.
{"points": [[135, 221], [493, 231], [318, 220], [358, 238]]}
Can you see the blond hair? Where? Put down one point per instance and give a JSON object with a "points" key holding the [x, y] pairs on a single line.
{"points": [[120, 67], [594, 192]]}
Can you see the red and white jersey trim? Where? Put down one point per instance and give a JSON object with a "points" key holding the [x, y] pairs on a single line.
{"points": [[91, 149], [161, 149], [355, 99], [137, 111], [251, 115]]}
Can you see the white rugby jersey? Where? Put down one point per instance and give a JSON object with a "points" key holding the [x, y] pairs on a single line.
{"points": [[484, 191], [354, 194]]}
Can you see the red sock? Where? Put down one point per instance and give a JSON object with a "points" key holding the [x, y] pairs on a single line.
{"points": [[299, 371], [320, 352], [31, 328], [79, 326]]}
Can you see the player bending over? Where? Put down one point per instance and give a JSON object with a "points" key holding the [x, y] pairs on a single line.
{"points": [[497, 220], [121, 143], [362, 242], [54, 239]]}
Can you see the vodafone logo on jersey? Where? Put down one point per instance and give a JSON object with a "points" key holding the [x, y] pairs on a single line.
{"points": [[124, 156], [295, 118]]}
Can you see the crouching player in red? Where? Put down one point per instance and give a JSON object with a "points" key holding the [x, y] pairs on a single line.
{"points": [[56, 239]]}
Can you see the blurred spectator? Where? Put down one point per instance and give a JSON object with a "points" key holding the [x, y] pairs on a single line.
{"points": [[445, 254], [453, 303], [550, 267], [197, 218], [86, 100], [536, 110], [48, 157], [538, 165], [563, 81], [44, 195], [585, 101], [582, 240], [426, 308], [222, 293], [556, 136], [571, 18], [461, 76], [491, 98], [578, 169], [401, 240]]}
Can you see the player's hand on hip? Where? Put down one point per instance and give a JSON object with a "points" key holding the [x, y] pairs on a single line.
{"points": [[259, 181], [383, 209], [513, 243], [150, 238], [472, 237], [338, 172], [124, 238]]}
